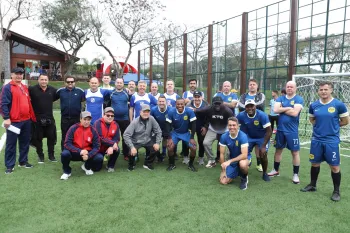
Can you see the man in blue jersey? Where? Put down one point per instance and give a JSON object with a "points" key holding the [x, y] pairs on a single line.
{"points": [[256, 125], [154, 90], [160, 113], [170, 95], [140, 98], [229, 99], [289, 107], [238, 163], [95, 97], [273, 117], [327, 115], [119, 102], [131, 88], [179, 121], [188, 95]]}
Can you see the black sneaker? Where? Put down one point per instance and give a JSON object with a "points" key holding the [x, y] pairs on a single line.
{"points": [[40, 159], [9, 171], [192, 168], [266, 177], [52, 159], [131, 168], [148, 167], [244, 183], [335, 196], [308, 188], [176, 156], [25, 165], [171, 167]]}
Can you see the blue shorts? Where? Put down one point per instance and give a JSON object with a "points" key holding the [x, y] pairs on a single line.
{"points": [[233, 170], [322, 151], [259, 142], [289, 140], [184, 137]]}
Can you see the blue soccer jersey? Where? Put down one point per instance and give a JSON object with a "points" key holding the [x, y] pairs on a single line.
{"points": [[234, 145], [119, 102], [327, 126], [231, 97], [155, 96], [286, 123], [137, 101], [160, 116], [181, 121], [255, 126], [171, 99], [250, 97], [94, 102], [189, 95]]}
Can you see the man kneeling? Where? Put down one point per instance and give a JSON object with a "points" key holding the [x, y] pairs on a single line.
{"points": [[238, 163], [81, 144]]}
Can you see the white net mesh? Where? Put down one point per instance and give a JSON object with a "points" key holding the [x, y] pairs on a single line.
{"points": [[307, 86]]}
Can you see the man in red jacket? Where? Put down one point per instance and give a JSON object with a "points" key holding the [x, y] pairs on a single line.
{"points": [[108, 131], [82, 143], [17, 111]]}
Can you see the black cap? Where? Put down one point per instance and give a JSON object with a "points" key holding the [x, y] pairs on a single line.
{"points": [[197, 93], [17, 70], [217, 99]]}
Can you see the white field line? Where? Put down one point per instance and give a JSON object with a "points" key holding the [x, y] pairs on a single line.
{"points": [[2, 141], [308, 148]]}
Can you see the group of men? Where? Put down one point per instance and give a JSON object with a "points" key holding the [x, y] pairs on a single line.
{"points": [[153, 120]]}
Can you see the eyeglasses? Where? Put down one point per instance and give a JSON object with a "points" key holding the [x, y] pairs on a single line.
{"points": [[108, 115], [70, 82]]}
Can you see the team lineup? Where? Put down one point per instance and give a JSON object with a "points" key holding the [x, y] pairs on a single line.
{"points": [[158, 122]]}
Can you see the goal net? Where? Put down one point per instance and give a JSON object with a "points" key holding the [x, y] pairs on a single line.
{"points": [[307, 87]]}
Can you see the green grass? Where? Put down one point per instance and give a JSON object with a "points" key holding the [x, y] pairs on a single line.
{"points": [[35, 200]]}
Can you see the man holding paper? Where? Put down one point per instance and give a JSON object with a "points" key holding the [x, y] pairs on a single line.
{"points": [[17, 111]]}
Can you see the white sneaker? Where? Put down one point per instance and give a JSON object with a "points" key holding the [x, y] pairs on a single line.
{"points": [[273, 173], [295, 179], [65, 176], [87, 172], [110, 169], [201, 161], [186, 160], [211, 163]]}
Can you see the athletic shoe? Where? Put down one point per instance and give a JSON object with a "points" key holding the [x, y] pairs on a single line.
{"points": [[295, 179], [148, 167], [335, 196], [273, 173], [211, 163], [52, 159], [87, 172], [110, 169], [244, 183], [192, 168], [65, 176], [259, 168], [266, 177], [171, 167], [9, 171], [308, 188], [201, 161], [25, 165], [186, 160], [131, 168], [40, 159]]}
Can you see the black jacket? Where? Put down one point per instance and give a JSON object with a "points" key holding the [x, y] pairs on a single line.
{"points": [[259, 100], [42, 101]]}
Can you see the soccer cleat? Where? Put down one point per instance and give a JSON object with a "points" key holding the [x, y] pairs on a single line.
{"points": [[266, 177], [131, 168], [201, 161], [192, 168], [52, 159], [335, 196], [186, 160], [25, 165], [148, 167], [295, 179], [171, 167], [273, 173], [88, 172], [65, 176], [259, 168], [40, 159], [244, 183], [211, 163], [308, 188], [9, 171], [110, 169]]}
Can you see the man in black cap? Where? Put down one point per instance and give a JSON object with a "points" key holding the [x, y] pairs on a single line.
{"points": [[216, 117]]}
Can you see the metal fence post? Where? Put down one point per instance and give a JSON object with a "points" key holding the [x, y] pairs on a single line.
{"points": [[150, 67], [184, 64], [138, 65], [293, 38], [165, 75], [244, 46], [210, 62]]}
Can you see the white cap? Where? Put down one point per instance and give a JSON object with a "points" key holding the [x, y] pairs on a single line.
{"points": [[250, 101]]}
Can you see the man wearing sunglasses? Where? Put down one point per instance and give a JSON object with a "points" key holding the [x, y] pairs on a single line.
{"points": [[108, 131], [70, 102]]}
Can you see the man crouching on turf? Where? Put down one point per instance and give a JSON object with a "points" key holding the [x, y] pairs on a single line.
{"points": [[82, 144], [181, 120], [238, 164]]}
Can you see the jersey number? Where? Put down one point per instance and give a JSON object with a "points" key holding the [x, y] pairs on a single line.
{"points": [[296, 141]]}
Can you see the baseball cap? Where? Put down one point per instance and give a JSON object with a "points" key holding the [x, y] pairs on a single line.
{"points": [[197, 93], [85, 114], [145, 107], [17, 70], [109, 109], [217, 99], [249, 102]]}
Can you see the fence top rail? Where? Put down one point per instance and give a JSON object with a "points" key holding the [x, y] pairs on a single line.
{"points": [[321, 75]]}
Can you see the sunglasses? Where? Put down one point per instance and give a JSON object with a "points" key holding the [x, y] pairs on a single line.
{"points": [[108, 115], [69, 82]]}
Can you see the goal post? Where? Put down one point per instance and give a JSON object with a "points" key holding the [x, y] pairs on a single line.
{"points": [[307, 87]]}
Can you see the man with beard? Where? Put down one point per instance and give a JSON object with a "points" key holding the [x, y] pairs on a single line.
{"points": [[188, 95]]}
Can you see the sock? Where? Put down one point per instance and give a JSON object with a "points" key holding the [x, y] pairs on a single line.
{"points": [[276, 166], [258, 161], [314, 175], [172, 160], [244, 176], [296, 169], [191, 160], [264, 163], [336, 177], [164, 150]]}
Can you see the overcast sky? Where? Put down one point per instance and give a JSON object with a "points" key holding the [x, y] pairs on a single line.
{"points": [[193, 13]]}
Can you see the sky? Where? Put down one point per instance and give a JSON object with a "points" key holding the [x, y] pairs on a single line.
{"points": [[192, 13]]}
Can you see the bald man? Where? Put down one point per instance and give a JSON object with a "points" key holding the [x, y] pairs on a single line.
{"points": [[289, 108], [154, 90], [229, 99]]}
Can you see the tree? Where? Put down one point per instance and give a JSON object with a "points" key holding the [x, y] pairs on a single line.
{"points": [[69, 23], [11, 12]]}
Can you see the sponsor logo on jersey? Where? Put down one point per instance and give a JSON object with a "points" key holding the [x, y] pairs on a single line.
{"points": [[92, 100], [331, 109], [292, 102], [185, 118], [311, 156], [230, 99], [256, 123]]}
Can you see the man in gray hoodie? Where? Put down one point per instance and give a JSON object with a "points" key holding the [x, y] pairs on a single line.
{"points": [[139, 134]]}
